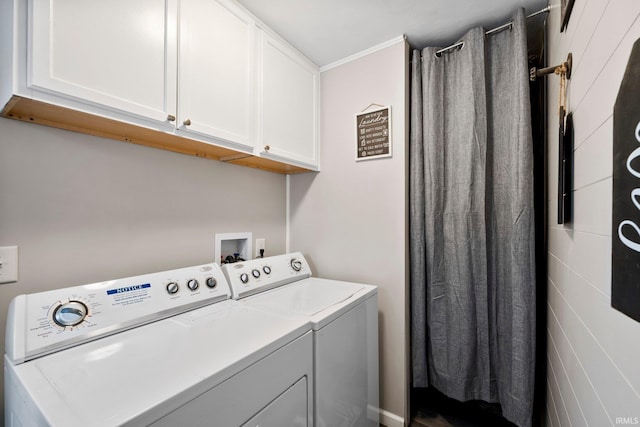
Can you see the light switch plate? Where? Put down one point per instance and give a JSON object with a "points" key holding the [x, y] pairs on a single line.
{"points": [[8, 264]]}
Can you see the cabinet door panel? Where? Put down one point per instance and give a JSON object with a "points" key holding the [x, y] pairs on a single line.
{"points": [[289, 104], [215, 87], [114, 53]]}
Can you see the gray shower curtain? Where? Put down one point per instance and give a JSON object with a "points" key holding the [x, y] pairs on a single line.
{"points": [[472, 222]]}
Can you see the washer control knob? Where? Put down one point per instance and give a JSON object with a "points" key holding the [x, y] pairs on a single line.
{"points": [[244, 278], [71, 313], [255, 273], [266, 269], [211, 282], [296, 264], [172, 287], [193, 284]]}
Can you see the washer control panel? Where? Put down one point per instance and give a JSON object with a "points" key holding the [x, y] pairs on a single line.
{"points": [[46, 322], [260, 274]]}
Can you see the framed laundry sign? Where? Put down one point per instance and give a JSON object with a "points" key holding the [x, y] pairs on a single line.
{"points": [[373, 133], [625, 242]]}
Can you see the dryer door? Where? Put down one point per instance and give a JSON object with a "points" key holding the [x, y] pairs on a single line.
{"points": [[280, 382], [288, 409]]}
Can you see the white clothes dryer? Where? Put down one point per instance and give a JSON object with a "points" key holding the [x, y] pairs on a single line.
{"points": [[165, 349], [344, 320]]}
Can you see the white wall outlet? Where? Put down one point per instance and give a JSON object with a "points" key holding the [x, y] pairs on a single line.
{"points": [[8, 264], [260, 244]]}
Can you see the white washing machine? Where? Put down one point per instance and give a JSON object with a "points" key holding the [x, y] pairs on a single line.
{"points": [[165, 349], [344, 321]]}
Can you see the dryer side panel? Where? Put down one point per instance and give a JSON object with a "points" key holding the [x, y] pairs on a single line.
{"points": [[346, 369]]}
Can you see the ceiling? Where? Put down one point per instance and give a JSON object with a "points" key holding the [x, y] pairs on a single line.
{"points": [[327, 31]]}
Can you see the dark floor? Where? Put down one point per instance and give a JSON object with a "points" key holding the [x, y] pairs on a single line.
{"points": [[432, 409]]}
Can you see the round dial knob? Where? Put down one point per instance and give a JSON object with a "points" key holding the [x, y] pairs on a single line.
{"points": [[255, 273], [192, 284], [266, 269], [244, 277], [211, 282], [71, 313], [296, 264], [172, 287]]}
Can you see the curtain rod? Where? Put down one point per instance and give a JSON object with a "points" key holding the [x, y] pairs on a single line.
{"points": [[492, 31]]}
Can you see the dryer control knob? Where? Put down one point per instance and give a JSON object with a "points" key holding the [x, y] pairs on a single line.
{"points": [[255, 273], [211, 282], [172, 287], [193, 284], [71, 313], [296, 264], [266, 269], [244, 278]]}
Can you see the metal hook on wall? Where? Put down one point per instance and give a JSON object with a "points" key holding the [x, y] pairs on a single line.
{"points": [[562, 69], [565, 137]]}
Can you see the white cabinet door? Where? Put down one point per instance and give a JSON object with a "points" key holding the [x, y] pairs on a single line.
{"points": [[289, 110], [118, 54], [216, 72]]}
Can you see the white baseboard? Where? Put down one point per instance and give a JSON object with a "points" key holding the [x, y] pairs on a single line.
{"points": [[389, 419]]}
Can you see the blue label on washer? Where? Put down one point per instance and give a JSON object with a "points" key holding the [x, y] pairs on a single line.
{"points": [[128, 289]]}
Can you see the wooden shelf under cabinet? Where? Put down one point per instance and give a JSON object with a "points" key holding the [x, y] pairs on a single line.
{"points": [[32, 111]]}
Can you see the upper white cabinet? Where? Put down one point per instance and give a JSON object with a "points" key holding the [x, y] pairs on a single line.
{"points": [[119, 54], [289, 86], [216, 71], [201, 77]]}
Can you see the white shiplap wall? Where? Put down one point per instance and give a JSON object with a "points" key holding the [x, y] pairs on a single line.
{"points": [[593, 376]]}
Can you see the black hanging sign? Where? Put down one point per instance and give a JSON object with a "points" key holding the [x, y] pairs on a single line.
{"points": [[565, 7], [625, 242], [373, 134], [565, 168]]}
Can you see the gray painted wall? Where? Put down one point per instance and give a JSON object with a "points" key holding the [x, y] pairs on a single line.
{"points": [[350, 219], [593, 376], [84, 209]]}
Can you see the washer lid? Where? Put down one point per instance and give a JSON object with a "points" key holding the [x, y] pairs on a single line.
{"points": [[307, 298], [138, 376], [319, 300]]}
